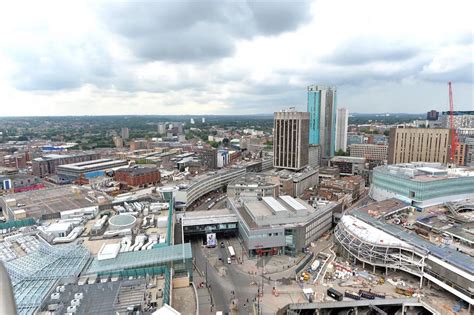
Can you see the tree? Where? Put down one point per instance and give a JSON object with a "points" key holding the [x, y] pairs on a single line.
{"points": [[340, 152]]}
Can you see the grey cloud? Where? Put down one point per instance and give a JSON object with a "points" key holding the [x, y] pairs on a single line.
{"points": [[197, 31], [462, 74], [365, 51], [57, 66]]}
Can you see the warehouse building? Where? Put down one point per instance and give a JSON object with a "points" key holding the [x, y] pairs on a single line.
{"points": [[46, 165], [70, 172]]}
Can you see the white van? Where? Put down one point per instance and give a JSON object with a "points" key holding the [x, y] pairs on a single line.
{"points": [[229, 261]]}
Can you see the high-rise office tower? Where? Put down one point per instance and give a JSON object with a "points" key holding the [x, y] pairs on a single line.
{"points": [[161, 128], [341, 129], [408, 145], [125, 133], [322, 102], [290, 139]]}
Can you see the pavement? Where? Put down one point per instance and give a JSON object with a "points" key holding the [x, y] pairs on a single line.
{"points": [[182, 301], [240, 281]]}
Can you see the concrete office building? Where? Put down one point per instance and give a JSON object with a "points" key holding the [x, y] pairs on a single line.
{"points": [[349, 165], [253, 185], [469, 151], [281, 225], [432, 115], [408, 145], [322, 102], [355, 139], [421, 184], [290, 139], [295, 183], [372, 152], [460, 154], [209, 158], [341, 129], [125, 133], [462, 119], [314, 155], [162, 128], [47, 164]]}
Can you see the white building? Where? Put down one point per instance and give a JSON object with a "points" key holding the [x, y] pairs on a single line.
{"points": [[341, 129]]}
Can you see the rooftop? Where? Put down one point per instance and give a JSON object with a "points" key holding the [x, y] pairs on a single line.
{"points": [[34, 275], [52, 200], [137, 171], [425, 172], [276, 211], [129, 260], [84, 166]]}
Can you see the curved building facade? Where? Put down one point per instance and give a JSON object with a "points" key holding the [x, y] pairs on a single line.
{"points": [[363, 238], [206, 183]]}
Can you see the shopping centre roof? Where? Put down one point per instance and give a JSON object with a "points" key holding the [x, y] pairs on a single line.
{"points": [[131, 260], [34, 275]]}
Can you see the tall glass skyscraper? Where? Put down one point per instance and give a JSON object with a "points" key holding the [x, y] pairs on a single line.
{"points": [[322, 102]]}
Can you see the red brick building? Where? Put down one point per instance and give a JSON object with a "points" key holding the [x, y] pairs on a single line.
{"points": [[138, 176]]}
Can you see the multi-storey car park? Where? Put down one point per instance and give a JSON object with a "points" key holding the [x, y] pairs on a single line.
{"points": [[201, 185], [385, 235]]}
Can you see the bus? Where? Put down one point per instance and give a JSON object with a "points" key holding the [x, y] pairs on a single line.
{"points": [[335, 294], [231, 252]]}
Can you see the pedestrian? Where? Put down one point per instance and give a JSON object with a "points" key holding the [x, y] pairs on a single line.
{"points": [[247, 300]]}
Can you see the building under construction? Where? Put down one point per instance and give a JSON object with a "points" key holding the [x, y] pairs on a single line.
{"points": [[381, 235]]}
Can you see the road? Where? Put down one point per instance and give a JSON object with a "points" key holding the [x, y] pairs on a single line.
{"points": [[222, 286]]}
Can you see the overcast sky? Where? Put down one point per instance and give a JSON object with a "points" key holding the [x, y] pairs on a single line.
{"points": [[232, 57]]}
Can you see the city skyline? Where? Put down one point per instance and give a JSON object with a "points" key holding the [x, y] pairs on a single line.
{"points": [[117, 58]]}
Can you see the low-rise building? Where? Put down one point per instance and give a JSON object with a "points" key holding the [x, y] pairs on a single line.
{"points": [[85, 170], [282, 225], [20, 183], [370, 152], [138, 176], [47, 164], [349, 165], [253, 184], [295, 183]]}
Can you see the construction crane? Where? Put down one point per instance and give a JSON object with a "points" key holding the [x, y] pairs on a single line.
{"points": [[454, 138]]}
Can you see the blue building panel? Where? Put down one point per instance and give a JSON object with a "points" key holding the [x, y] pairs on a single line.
{"points": [[314, 108], [94, 174]]}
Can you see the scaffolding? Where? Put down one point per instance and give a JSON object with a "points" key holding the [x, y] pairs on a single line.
{"points": [[34, 275]]}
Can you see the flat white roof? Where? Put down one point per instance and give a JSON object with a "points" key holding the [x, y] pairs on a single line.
{"points": [[108, 251], [274, 204], [58, 227], [371, 234], [293, 203]]}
